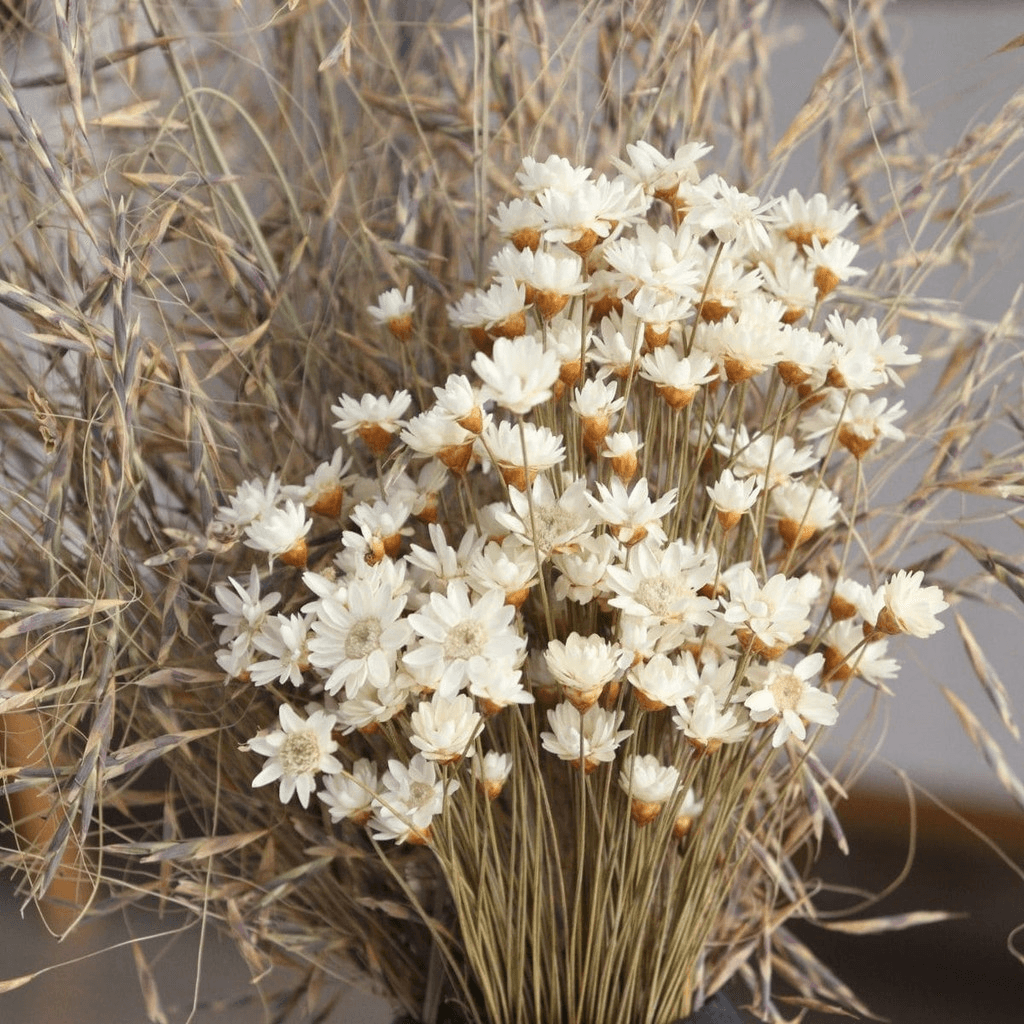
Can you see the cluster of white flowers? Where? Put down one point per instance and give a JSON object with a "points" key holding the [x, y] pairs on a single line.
{"points": [[499, 547]]}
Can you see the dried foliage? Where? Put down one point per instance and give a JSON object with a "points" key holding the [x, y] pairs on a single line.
{"points": [[199, 202]]}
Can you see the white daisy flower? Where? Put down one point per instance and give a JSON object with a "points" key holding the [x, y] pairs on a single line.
{"points": [[394, 310], [374, 418], [584, 666], [469, 638], [443, 728], [661, 682], [296, 753], [649, 784], [243, 611], [782, 694], [491, 772], [518, 374], [706, 724], [350, 794], [408, 801], [358, 637], [630, 514], [281, 533], [662, 583], [909, 607], [284, 639], [732, 498], [771, 618], [252, 500], [593, 736]]}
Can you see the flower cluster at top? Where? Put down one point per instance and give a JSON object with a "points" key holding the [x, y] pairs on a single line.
{"points": [[636, 502]]}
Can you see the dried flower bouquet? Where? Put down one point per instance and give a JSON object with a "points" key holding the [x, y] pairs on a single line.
{"points": [[574, 625], [474, 640]]}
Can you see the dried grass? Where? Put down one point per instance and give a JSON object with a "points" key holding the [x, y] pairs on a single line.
{"points": [[199, 202]]}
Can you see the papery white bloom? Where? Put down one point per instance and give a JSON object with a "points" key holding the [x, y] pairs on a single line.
{"points": [[649, 784], [677, 377], [252, 500], [521, 452], [281, 532], [581, 217], [733, 215], [358, 638], [849, 597], [687, 810], [732, 498], [616, 350], [297, 752], [518, 374], [773, 617], [584, 666], [858, 421], [832, 263], [391, 304], [803, 510], [520, 221], [848, 653], [435, 434], [551, 524], [469, 638], [630, 514], [443, 729], [510, 567], [593, 736], [743, 349], [283, 639], [555, 172], [789, 281], [243, 611], [583, 572], [350, 794], [375, 418], [706, 724], [597, 399], [863, 361], [662, 682], [781, 693], [382, 525], [323, 489], [376, 701], [764, 454], [910, 607], [646, 638], [500, 688], [804, 357], [802, 220], [662, 583], [726, 282], [658, 173], [409, 800], [491, 772], [664, 261], [445, 563], [395, 310]]}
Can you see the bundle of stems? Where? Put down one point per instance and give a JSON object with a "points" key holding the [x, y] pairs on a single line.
{"points": [[200, 205]]}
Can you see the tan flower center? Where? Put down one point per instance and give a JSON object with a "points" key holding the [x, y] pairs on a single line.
{"points": [[659, 594], [421, 793], [787, 690], [300, 753], [363, 638], [466, 640]]}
